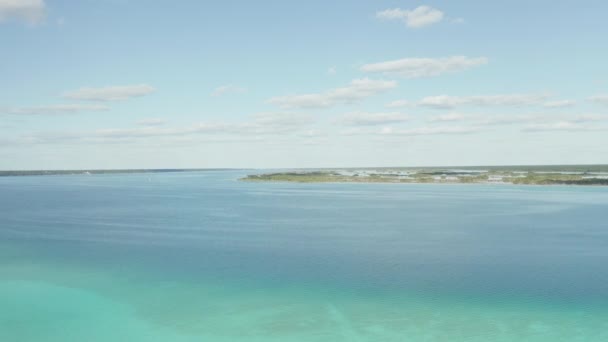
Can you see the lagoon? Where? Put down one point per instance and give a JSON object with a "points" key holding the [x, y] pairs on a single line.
{"points": [[194, 256]]}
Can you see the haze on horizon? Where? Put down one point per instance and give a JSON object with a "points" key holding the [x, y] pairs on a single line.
{"points": [[118, 84]]}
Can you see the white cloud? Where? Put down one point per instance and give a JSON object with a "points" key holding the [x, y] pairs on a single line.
{"points": [[448, 117], [420, 16], [446, 130], [501, 120], [228, 89], [53, 109], [357, 90], [144, 132], [458, 21], [371, 119], [600, 99], [480, 120], [419, 131], [151, 122], [331, 70], [112, 93], [424, 67], [562, 126], [589, 118], [559, 103], [398, 103], [276, 122], [532, 120], [259, 125], [445, 101], [448, 102], [352, 131], [30, 11], [313, 133]]}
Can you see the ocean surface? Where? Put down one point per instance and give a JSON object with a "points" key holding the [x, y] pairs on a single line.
{"points": [[200, 256]]}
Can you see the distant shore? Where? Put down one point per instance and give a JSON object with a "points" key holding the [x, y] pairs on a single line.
{"points": [[542, 175], [13, 173]]}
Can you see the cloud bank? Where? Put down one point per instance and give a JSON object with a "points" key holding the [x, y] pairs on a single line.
{"points": [[599, 99], [448, 130], [447, 102], [227, 89], [357, 90], [371, 119], [53, 109], [424, 67], [29, 11], [259, 125], [112, 93], [420, 16]]}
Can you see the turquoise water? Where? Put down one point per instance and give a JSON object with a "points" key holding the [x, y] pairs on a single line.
{"points": [[203, 257]]}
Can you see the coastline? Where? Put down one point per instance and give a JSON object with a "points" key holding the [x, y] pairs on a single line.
{"points": [[426, 183], [499, 177]]}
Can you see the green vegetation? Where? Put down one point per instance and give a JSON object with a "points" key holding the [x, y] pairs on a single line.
{"points": [[526, 175], [316, 177], [547, 179]]}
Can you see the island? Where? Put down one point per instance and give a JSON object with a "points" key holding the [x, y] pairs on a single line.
{"points": [[526, 175]]}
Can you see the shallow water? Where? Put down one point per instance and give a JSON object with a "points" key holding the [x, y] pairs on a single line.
{"points": [[201, 256]]}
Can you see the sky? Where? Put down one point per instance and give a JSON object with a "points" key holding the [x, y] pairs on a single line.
{"points": [[106, 84]]}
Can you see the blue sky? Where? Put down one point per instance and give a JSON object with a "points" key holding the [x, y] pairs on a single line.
{"points": [[152, 84]]}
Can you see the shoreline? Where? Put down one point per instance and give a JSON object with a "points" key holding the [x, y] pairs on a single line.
{"points": [[424, 183], [438, 176]]}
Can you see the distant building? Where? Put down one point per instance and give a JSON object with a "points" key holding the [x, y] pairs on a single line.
{"points": [[495, 179]]}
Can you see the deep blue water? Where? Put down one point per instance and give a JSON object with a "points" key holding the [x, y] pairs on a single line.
{"points": [[200, 255]]}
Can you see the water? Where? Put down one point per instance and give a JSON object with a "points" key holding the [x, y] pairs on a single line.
{"points": [[203, 257]]}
